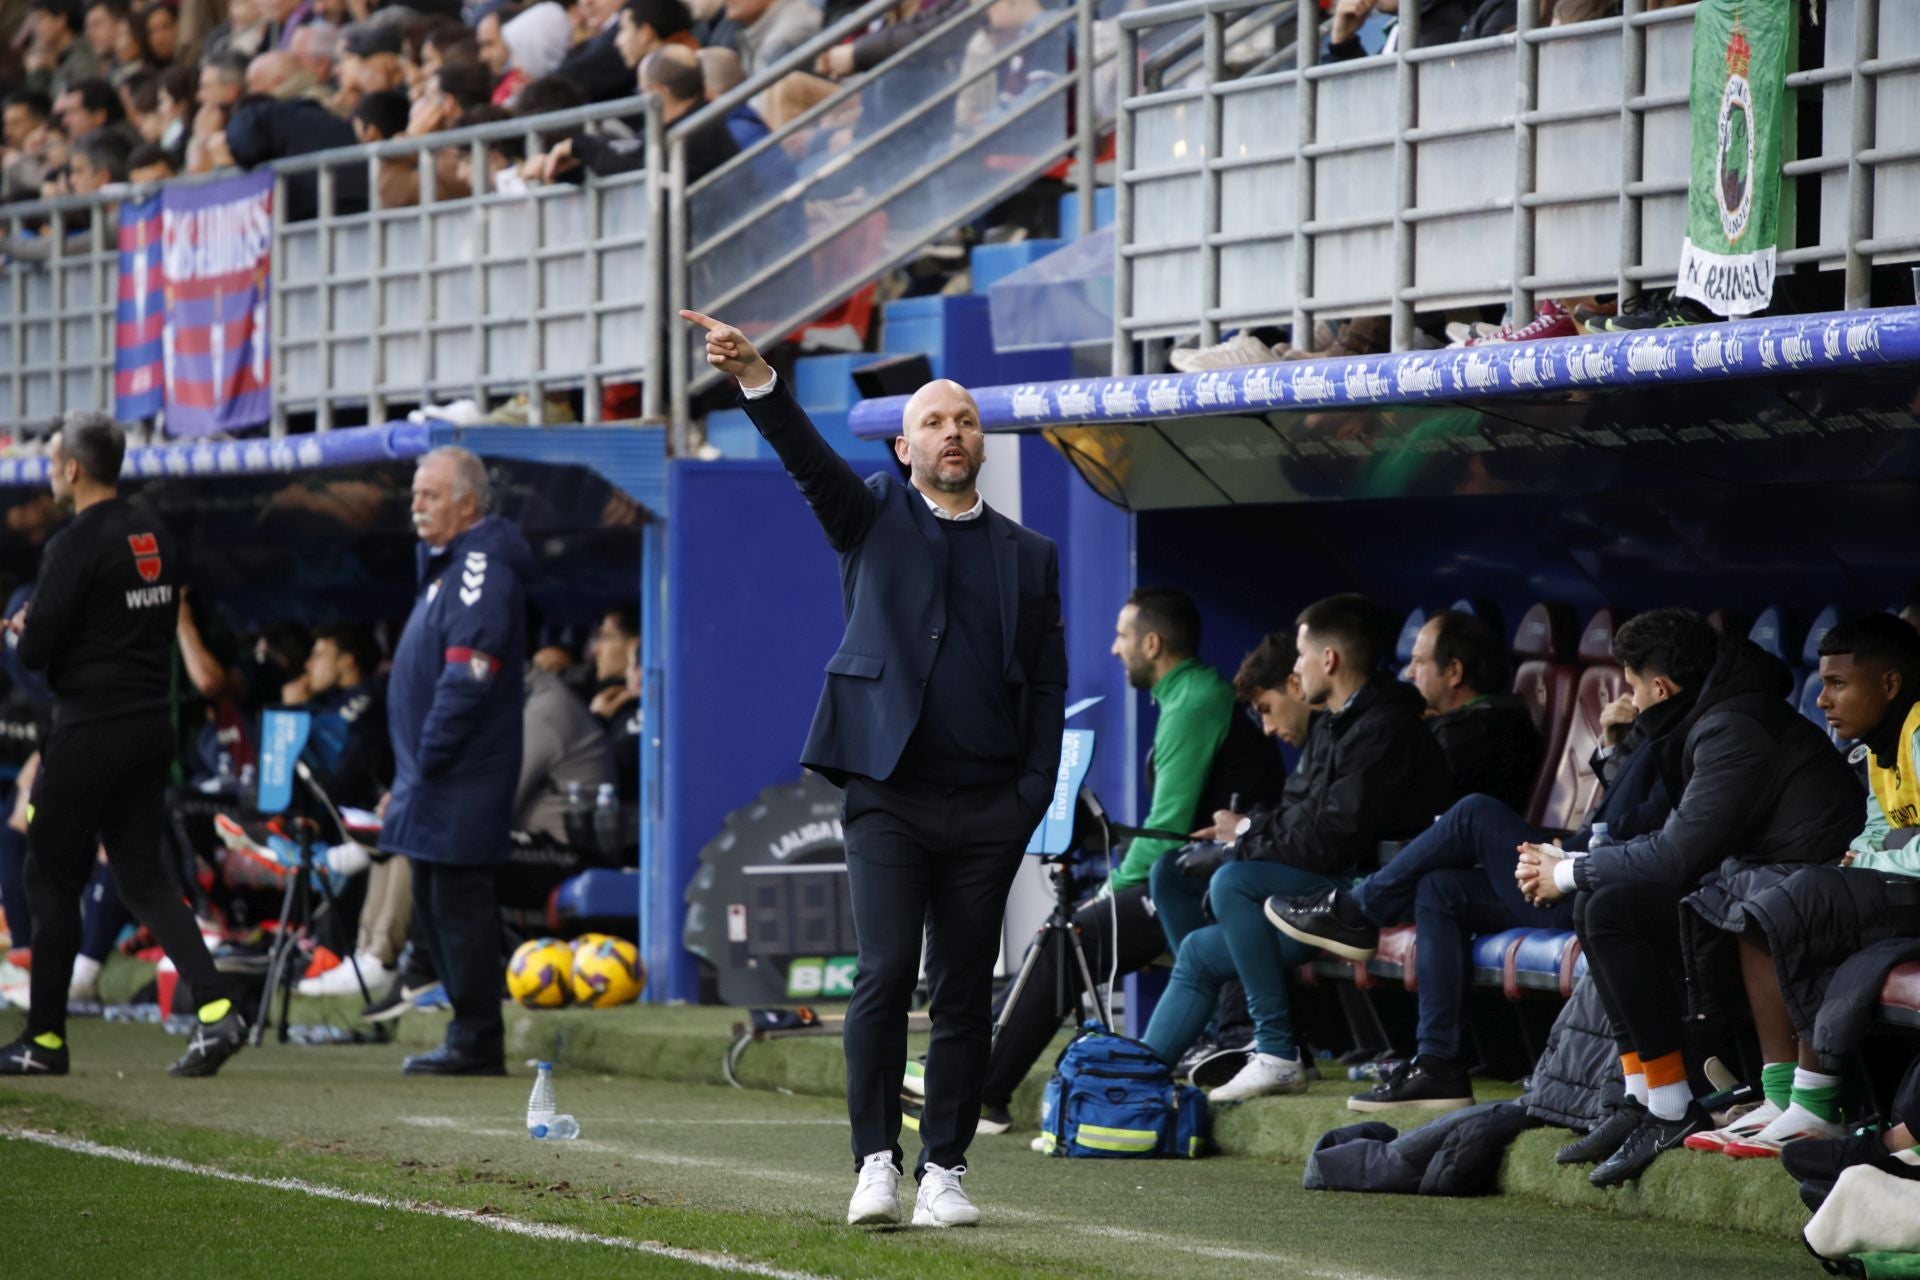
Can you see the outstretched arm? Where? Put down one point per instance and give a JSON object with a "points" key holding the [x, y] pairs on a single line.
{"points": [[841, 502]]}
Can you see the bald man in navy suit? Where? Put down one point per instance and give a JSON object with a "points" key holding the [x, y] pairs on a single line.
{"points": [[941, 717]]}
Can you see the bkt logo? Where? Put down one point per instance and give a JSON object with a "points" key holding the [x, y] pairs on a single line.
{"points": [[828, 979]]}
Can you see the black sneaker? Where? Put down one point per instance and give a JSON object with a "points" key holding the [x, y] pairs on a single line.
{"points": [[1418, 1084], [212, 1044], [994, 1119], [1643, 1146], [448, 1061], [1675, 313], [1330, 919], [1604, 1138], [1817, 1163], [25, 1058]]}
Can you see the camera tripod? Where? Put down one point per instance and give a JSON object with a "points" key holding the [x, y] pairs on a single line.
{"points": [[1061, 933]]}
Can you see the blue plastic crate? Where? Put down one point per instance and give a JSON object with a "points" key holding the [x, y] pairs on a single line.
{"points": [[1070, 211], [991, 262]]}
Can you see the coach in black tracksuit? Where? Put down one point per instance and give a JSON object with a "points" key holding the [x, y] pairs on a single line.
{"points": [[941, 716], [101, 623]]}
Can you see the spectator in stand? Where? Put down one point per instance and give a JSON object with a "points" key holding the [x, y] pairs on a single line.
{"points": [[57, 58], [1799, 926], [98, 162], [723, 74], [764, 31], [1757, 785], [162, 29], [284, 17], [118, 45], [1204, 753], [90, 105], [244, 34], [445, 44], [377, 117], [537, 43], [616, 647], [595, 63], [1370, 772], [447, 94], [1440, 23], [1487, 734], [456, 708], [172, 121], [876, 46], [369, 63], [222, 84], [149, 164], [314, 48], [28, 133], [275, 121], [1456, 879], [223, 80], [672, 73]]}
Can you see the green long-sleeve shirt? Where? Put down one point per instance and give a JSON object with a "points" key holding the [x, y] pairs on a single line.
{"points": [[1196, 710]]}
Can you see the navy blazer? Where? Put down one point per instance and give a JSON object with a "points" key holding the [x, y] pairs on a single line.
{"points": [[893, 574]]}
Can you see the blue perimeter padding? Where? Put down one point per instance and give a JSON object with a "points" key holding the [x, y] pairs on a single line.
{"points": [[600, 894], [1773, 347]]}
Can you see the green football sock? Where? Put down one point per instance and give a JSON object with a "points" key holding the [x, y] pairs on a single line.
{"points": [[1818, 1093], [1776, 1081]]}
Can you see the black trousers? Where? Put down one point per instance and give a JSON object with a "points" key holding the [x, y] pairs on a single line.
{"points": [[455, 913], [931, 863], [1031, 1025], [1631, 934], [100, 785]]}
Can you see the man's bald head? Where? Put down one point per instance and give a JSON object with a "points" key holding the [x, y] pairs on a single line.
{"points": [[673, 72], [940, 442], [266, 73], [722, 70]]}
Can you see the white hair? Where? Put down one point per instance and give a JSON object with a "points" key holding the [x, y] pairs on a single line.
{"points": [[469, 474]]}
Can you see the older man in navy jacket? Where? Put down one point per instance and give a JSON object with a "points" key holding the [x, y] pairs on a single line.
{"points": [[941, 717], [454, 710]]}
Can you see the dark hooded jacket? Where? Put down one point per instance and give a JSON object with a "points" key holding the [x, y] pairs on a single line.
{"points": [[1756, 781], [1369, 772], [455, 701], [1492, 749]]}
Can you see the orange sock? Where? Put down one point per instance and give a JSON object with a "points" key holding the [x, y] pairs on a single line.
{"points": [[1668, 1068], [1630, 1065]]}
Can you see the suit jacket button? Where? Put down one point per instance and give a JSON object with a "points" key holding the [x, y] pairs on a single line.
{"points": [[936, 635], [923, 684]]}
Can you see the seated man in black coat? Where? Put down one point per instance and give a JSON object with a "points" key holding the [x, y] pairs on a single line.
{"points": [[1205, 753], [1456, 880], [1493, 749], [266, 127], [1757, 785]]}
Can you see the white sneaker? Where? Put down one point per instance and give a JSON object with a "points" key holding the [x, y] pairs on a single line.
{"points": [[942, 1202], [876, 1198], [1264, 1074], [1239, 350], [338, 981]]}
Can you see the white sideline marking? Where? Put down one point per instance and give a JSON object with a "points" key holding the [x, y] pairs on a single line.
{"points": [[1291, 1264], [512, 1226], [448, 1122]]}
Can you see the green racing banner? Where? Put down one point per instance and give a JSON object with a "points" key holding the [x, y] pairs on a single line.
{"points": [[1741, 55]]}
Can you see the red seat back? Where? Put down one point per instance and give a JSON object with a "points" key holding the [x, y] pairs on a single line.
{"points": [[1545, 681], [1571, 785]]}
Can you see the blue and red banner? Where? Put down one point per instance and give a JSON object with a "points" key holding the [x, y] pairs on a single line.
{"points": [[217, 244], [139, 371]]}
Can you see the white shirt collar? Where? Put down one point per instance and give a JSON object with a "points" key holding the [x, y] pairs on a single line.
{"points": [[978, 509]]}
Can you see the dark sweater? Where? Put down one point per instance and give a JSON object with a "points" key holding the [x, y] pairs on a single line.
{"points": [[102, 618], [965, 739], [1492, 748]]}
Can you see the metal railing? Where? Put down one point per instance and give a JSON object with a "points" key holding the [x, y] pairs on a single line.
{"points": [[929, 139], [57, 313], [1416, 181]]}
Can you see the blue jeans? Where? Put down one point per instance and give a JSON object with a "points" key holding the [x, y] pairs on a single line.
{"points": [[1243, 944], [1452, 882]]}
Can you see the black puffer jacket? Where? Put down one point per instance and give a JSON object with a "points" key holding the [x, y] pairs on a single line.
{"points": [[1757, 782], [1369, 772], [1577, 1080]]}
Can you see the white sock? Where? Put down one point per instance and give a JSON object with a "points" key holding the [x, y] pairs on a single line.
{"points": [[86, 974], [1669, 1101], [348, 859], [1637, 1088], [1796, 1119], [1805, 1079]]}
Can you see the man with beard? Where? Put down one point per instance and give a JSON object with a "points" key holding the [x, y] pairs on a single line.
{"points": [[941, 717]]}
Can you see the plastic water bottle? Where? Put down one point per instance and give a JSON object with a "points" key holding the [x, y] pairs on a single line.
{"points": [[579, 817], [1599, 837], [542, 1121], [606, 820]]}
